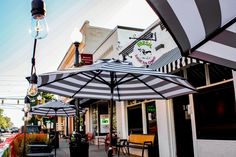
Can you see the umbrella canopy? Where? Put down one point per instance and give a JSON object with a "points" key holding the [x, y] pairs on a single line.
{"points": [[202, 29], [112, 79], [54, 108]]}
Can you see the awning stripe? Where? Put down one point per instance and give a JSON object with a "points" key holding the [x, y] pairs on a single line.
{"points": [[210, 13]]}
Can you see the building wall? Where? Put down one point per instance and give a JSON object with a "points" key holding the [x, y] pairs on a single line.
{"points": [[111, 46]]}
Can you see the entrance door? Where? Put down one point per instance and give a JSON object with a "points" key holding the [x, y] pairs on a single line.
{"points": [[183, 129]]}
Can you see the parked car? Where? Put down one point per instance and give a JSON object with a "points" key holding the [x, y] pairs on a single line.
{"points": [[14, 130]]}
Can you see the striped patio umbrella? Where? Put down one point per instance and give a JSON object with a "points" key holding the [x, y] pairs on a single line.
{"points": [[114, 80], [54, 108], [203, 29]]}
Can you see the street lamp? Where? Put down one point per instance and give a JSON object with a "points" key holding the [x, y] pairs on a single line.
{"points": [[76, 38]]}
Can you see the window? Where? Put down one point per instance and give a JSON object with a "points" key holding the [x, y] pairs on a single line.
{"points": [[135, 123], [215, 112], [196, 75], [219, 73], [151, 118]]}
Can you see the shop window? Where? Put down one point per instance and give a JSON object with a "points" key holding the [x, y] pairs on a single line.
{"points": [[215, 112], [103, 118], [135, 123], [196, 75], [219, 73], [151, 118]]}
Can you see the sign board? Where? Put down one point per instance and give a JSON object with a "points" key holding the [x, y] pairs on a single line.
{"points": [[87, 59], [104, 123], [143, 53]]}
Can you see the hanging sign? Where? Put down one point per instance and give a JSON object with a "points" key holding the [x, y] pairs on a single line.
{"points": [[143, 53]]}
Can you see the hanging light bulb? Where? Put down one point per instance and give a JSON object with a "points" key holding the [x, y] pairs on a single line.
{"points": [[33, 88], [39, 27]]}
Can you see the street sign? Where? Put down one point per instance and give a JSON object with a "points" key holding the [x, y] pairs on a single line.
{"points": [[87, 59]]}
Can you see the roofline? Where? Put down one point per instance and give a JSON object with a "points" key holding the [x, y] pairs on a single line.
{"points": [[113, 31]]}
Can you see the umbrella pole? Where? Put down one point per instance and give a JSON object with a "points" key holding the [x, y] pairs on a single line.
{"points": [[110, 150], [78, 115], [55, 133]]}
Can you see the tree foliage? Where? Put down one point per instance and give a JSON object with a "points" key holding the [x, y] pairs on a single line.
{"points": [[5, 122]]}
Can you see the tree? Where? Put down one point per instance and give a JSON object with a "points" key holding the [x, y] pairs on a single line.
{"points": [[5, 122]]}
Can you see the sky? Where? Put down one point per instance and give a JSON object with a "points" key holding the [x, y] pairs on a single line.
{"points": [[16, 44]]}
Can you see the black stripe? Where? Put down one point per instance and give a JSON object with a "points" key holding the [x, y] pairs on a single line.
{"points": [[227, 38], [210, 13], [214, 59], [169, 19]]}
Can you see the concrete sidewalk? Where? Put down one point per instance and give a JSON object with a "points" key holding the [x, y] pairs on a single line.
{"points": [[94, 151]]}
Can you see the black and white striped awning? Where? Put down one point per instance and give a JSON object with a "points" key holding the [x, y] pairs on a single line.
{"points": [[205, 30], [172, 61], [54, 108], [126, 82], [179, 63]]}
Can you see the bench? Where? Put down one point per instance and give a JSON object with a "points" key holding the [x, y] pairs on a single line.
{"points": [[137, 141]]}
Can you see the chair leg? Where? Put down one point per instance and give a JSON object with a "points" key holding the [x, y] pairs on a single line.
{"points": [[142, 152]]}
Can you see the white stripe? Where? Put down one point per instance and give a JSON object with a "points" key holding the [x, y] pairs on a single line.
{"points": [[122, 92], [190, 19], [39, 81], [228, 11], [177, 92], [232, 28], [58, 84], [178, 65], [51, 78], [165, 87], [140, 97], [92, 96], [218, 50]]}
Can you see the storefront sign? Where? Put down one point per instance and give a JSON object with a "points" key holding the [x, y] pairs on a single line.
{"points": [[143, 53], [87, 59], [104, 123]]}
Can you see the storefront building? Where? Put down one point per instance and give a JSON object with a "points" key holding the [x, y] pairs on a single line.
{"points": [[201, 124]]}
